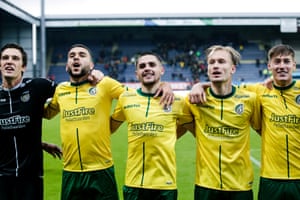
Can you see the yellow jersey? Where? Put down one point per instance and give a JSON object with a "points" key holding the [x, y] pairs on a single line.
{"points": [[222, 127], [280, 157], [151, 159], [85, 123]]}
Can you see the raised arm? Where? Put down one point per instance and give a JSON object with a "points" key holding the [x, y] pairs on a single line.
{"points": [[183, 129], [166, 92], [197, 93], [95, 76], [114, 125]]}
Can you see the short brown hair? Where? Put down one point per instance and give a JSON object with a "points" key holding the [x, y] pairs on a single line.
{"points": [[18, 47], [281, 49]]}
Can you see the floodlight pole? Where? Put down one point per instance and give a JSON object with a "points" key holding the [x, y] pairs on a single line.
{"points": [[43, 41], [34, 53]]}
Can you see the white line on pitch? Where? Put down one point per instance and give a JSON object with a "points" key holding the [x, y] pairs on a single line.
{"points": [[255, 161]]}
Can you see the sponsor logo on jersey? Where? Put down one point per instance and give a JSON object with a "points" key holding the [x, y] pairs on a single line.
{"points": [[296, 88], [221, 131], [132, 106], [285, 121], [242, 96], [64, 94], [93, 91], [291, 119], [14, 122], [77, 112], [239, 109], [146, 129], [269, 95]]}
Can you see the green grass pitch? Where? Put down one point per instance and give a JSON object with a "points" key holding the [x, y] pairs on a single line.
{"points": [[185, 150]]}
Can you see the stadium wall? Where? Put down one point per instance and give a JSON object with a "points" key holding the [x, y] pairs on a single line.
{"points": [[14, 30]]}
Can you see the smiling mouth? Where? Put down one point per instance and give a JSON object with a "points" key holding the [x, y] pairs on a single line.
{"points": [[147, 74], [9, 69]]}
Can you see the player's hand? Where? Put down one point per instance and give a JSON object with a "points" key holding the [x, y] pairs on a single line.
{"points": [[268, 83], [95, 76], [52, 149], [197, 93], [166, 93]]}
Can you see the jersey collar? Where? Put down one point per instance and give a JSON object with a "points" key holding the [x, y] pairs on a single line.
{"points": [[223, 96], [79, 83], [139, 91], [286, 87], [14, 88]]}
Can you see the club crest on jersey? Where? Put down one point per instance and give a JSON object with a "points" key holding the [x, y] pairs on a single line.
{"points": [[25, 97], [239, 109], [92, 91], [167, 108], [298, 99]]}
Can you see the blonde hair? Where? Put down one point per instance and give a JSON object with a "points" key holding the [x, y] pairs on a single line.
{"points": [[235, 55]]}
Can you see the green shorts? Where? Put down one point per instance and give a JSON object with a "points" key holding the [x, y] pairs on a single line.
{"points": [[278, 189], [131, 193], [208, 194], [94, 185]]}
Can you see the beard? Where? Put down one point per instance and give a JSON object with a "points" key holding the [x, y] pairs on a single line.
{"points": [[149, 84], [82, 73]]}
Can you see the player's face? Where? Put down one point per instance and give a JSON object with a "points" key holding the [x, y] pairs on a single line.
{"points": [[282, 67], [11, 64], [220, 66], [79, 63], [149, 70]]}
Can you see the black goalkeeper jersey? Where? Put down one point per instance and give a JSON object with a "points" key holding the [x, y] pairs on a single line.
{"points": [[21, 111]]}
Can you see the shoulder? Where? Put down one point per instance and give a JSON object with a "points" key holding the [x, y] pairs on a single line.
{"points": [[36, 80], [297, 84], [109, 80], [39, 82], [129, 93], [109, 84], [63, 85], [250, 86], [244, 93]]}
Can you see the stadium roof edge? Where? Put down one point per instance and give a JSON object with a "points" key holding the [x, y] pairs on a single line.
{"points": [[154, 19], [18, 12], [175, 19], [176, 15]]}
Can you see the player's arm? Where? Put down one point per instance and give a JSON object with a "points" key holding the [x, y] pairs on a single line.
{"points": [[52, 149], [95, 76], [117, 117], [51, 109], [197, 93], [186, 121], [114, 125], [268, 83], [258, 132], [166, 93], [184, 128], [256, 117]]}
